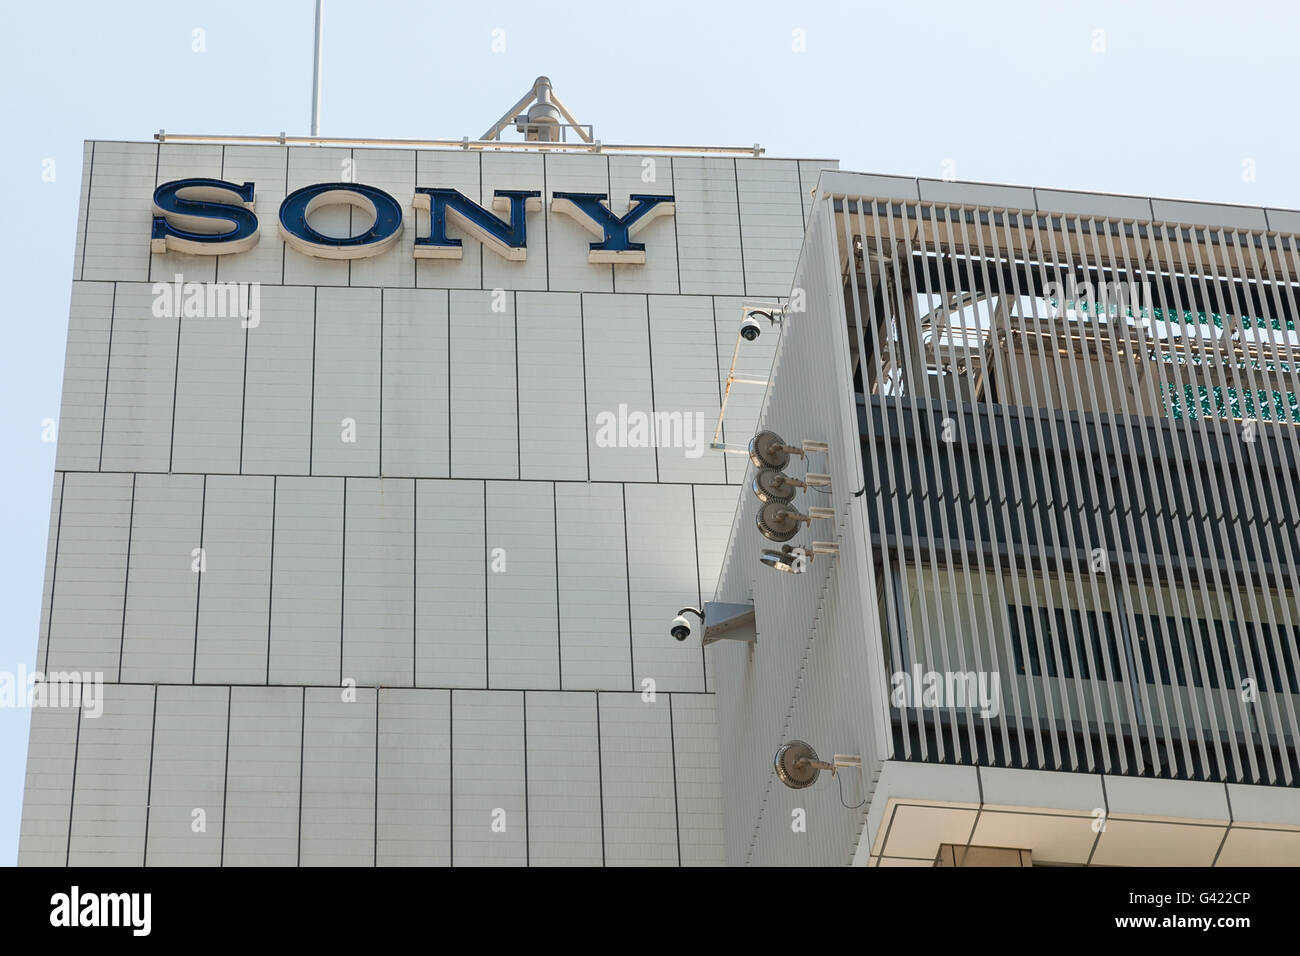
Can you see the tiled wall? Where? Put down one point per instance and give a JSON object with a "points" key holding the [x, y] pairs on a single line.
{"points": [[429, 644]]}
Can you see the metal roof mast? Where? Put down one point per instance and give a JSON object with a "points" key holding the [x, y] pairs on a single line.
{"points": [[544, 125], [541, 124]]}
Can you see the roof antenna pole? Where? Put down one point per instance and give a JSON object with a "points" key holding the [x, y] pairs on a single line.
{"points": [[315, 70]]}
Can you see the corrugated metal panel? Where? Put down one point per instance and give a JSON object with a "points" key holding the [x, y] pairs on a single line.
{"points": [[278, 384], [552, 387], [414, 778], [81, 415], [121, 198], [345, 410], [338, 778], [523, 620], [234, 621], [162, 579], [188, 777], [110, 806], [264, 787], [416, 400], [307, 582], [484, 422], [616, 348], [210, 389], [489, 793], [450, 584], [379, 582], [90, 580], [809, 625], [595, 642], [141, 384], [564, 785], [685, 395], [639, 799]]}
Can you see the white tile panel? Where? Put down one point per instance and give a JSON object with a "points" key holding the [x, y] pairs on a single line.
{"points": [[552, 386], [450, 169], [85, 373], [47, 796], [338, 778], [393, 171], [235, 590], [120, 214], [111, 794], [451, 584], [636, 756], [51, 552], [185, 161], [308, 167], [567, 242], [514, 171], [1209, 214], [715, 511], [484, 400], [684, 354], [975, 194], [771, 223], [265, 167], [379, 582], [90, 580], [141, 384], [416, 399], [263, 784], [307, 582], [210, 395], [699, 789], [414, 783], [346, 385], [188, 774], [664, 576], [564, 824], [595, 642], [278, 384], [652, 175], [616, 338], [161, 582], [488, 779], [523, 640], [83, 203], [708, 226]]}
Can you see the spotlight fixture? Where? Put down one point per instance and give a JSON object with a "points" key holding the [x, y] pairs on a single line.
{"points": [[797, 765], [778, 521], [795, 559], [772, 485], [767, 449]]}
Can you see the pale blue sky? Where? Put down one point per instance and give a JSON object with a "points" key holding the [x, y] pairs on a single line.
{"points": [[1182, 94]]}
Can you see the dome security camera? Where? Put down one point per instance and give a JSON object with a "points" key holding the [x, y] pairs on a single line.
{"points": [[750, 328], [681, 625]]}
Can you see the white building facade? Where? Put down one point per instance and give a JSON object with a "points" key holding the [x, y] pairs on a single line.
{"points": [[371, 555]]}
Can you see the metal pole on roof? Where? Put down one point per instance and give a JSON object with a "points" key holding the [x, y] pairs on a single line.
{"points": [[315, 70]]}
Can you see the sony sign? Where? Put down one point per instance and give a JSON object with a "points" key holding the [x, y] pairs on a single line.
{"points": [[212, 217]]}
